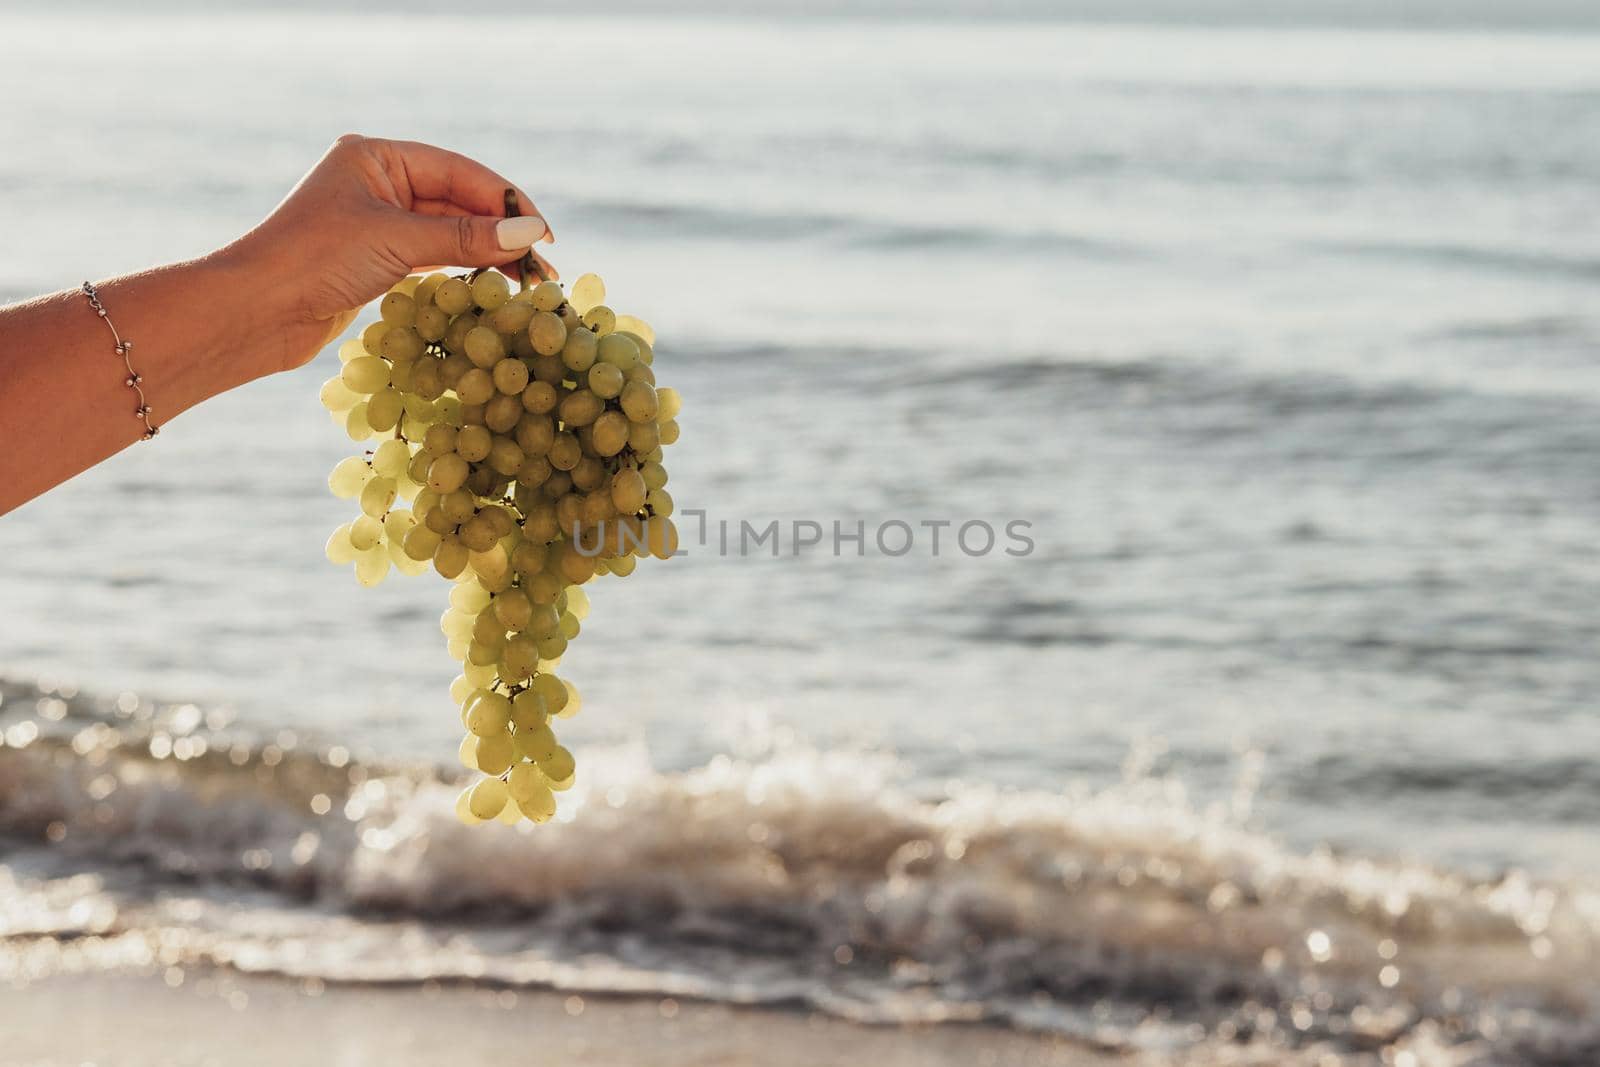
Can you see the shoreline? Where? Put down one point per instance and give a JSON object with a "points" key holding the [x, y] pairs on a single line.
{"points": [[140, 1019]]}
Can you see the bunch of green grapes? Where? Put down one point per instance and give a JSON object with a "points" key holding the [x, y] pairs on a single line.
{"points": [[526, 431]]}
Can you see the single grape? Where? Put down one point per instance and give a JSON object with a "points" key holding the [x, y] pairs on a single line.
{"points": [[535, 434], [371, 341], [611, 433], [473, 443], [543, 619], [639, 401], [451, 557], [565, 452], [636, 326], [547, 333], [558, 765], [511, 376], [484, 347], [643, 437], [528, 711], [552, 646], [526, 782], [537, 744], [553, 690], [619, 351], [397, 309], [396, 524], [439, 440], [339, 549], [432, 324], [377, 496], [481, 675], [628, 491], [513, 610], [475, 387], [606, 380], [455, 623], [427, 380], [463, 809], [513, 316], [519, 659], [453, 297], [477, 534], [372, 566], [391, 458], [337, 396], [587, 291], [469, 596], [493, 567], [356, 424], [384, 410], [581, 408], [403, 345], [546, 296], [446, 473], [458, 506], [504, 410], [535, 470], [540, 398], [490, 289], [495, 754], [581, 349], [365, 374], [662, 536], [654, 475], [489, 714], [601, 319], [574, 702], [670, 404], [348, 477], [365, 533], [488, 797]]}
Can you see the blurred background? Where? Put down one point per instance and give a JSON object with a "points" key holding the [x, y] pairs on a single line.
{"points": [[1275, 321]]}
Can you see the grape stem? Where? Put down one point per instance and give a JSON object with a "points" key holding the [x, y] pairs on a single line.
{"points": [[528, 265]]}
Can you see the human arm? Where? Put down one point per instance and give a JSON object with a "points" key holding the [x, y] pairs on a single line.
{"points": [[367, 214]]}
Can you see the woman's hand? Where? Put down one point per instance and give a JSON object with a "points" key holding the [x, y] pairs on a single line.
{"points": [[370, 212]]}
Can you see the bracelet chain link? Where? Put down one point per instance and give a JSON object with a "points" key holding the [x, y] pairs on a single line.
{"points": [[133, 380]]}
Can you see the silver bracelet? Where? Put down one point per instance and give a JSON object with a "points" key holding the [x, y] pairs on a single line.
{"points": [[132, 381]]}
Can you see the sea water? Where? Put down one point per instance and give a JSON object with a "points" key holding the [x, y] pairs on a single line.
{"points": [[1280, 343]]}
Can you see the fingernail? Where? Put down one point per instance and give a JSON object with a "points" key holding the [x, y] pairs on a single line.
{"points": [[514, 234]]}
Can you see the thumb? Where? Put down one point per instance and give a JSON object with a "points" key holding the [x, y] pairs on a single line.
{"points": [[468, 240]]}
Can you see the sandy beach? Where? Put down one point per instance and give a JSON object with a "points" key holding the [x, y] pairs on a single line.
{"points": [[139, 1020]]}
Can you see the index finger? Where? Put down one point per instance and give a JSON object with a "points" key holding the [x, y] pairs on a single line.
{"points": [[440, 174]]}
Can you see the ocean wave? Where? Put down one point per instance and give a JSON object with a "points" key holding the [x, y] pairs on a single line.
{"points": [[1472, 257], [674, 220], [148, 834]]}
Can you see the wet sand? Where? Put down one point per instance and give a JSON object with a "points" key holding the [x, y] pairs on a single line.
{"points": [[232, 1021]]}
